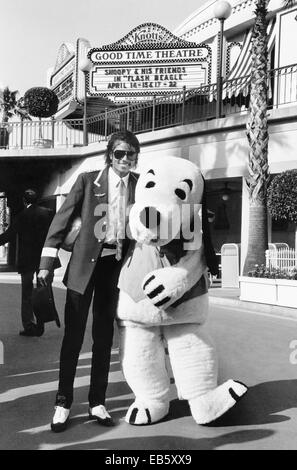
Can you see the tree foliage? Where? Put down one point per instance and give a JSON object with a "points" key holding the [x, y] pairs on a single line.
{"points": [[11, 106], [282, 196], [8, 102], [41, 102]]}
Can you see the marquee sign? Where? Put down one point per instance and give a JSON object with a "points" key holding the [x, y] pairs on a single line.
{"points": [[64, 90], [67, 69], [145, 56], [62, 78], [149, 61]]}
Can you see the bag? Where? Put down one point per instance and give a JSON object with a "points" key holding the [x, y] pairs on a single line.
{"points": [[44, 305], [72, 235]]}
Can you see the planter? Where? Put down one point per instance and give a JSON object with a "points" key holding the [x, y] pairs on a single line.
{"points": [[287, 293], [282, 292]]}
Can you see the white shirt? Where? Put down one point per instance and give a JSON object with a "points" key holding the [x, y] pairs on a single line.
{"points": [[113, 196]]}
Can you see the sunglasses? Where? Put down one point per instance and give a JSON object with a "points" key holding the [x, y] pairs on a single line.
{"points": [[119, 154]]}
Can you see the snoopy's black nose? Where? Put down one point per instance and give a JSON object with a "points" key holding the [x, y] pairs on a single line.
{"points": [[150, 217]]}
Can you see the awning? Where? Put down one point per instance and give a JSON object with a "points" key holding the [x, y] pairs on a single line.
{"points": [[243, 64], [238, 80], [240, 76]]}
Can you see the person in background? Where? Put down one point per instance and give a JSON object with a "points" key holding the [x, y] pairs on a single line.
{"points": [[100, 199], [31, 226]]}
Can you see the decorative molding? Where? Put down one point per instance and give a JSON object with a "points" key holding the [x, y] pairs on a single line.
{"points": [[65, 53], [241, 6], [158, 36], [228, 58]]}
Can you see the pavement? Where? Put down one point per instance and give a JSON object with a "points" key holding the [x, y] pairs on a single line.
{"points": [[256, 345]]}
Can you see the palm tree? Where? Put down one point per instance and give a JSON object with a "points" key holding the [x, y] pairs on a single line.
{"points": [[257, 134], [11, 106], [7, 103]]}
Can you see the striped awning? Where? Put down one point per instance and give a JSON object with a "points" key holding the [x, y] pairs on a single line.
{"points": [[238, 80], [242, 68]]}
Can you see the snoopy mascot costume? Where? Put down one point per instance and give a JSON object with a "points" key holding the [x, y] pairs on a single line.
{"points": [[163, 298]]}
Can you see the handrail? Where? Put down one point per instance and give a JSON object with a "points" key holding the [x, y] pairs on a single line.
{"points": [[177, 108]]}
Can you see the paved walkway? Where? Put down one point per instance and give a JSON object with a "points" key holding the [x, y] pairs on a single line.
{"points": [[255, 347]]}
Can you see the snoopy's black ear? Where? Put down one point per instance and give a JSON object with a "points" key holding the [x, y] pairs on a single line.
{"points": [[210, 255]]}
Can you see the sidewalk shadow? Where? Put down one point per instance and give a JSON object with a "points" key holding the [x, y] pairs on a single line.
{"points": [[31, 430], [169, 442], [261, 404]]}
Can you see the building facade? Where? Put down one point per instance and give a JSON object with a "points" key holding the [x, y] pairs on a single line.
{"points": [[152, 75]]}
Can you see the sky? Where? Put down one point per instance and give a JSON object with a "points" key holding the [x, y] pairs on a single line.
{"points": [[32, 31]]}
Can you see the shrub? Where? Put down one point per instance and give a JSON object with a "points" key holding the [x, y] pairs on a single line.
{"points": [[41, 102], [282, 196], [272, 273]]}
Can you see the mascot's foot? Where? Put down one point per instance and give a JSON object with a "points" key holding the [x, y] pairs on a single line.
{"points": [[212, 405], [141, 414]]}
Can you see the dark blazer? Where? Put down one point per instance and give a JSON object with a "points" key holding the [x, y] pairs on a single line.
{"points": [[31, 225], [86, 199]]}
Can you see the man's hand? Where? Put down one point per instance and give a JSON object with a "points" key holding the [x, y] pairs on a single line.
{"points": [[43, 277]]}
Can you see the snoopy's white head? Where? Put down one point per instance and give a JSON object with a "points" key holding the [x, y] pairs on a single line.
{"points": [[167, 202]]}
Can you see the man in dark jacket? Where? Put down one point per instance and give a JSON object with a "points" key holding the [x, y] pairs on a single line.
{"points": [[98, 198], [31, 226]]}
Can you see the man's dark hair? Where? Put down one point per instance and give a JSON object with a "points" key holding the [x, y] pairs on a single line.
{"points": [[30, 196], [125, 136]]}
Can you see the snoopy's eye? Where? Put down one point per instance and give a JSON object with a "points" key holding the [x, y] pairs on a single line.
{"points": [[180, 193], [151, 171], [150, 184], [190, 183]]}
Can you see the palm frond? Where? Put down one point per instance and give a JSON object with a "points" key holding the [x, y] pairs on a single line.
{"points": [[288, 3], [11, 106]]}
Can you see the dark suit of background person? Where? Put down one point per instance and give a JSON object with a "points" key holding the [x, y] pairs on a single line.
{"points": [[93, 268], [31, 225]]}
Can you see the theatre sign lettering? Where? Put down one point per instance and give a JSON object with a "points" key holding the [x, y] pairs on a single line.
{"points": [[148, 61]]}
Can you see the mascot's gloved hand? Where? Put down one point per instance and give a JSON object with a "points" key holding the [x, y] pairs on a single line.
{"points": [[165, 286], [142, 313]]}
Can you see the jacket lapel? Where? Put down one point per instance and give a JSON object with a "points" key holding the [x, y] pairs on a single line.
{"points": [[101, 186], [131, 188]]}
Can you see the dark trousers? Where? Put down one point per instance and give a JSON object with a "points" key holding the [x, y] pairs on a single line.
{"points": [[103, 284], [28, 319]]}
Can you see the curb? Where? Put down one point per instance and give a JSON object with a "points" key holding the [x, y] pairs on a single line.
{"points": [[273, 310], [286, 312]]}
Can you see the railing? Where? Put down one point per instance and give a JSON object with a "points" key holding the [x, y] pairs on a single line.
{"points": [[283, 83], [284, 259], [188, 106], [185, 107], [45, 133]]}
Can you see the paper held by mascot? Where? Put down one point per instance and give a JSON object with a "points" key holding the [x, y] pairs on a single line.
{"points": [[163, 297]]}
